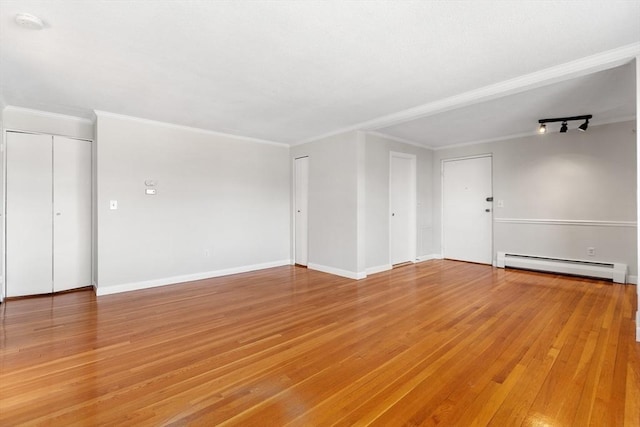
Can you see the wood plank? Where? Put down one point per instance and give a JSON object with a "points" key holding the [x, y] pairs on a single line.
{"points": [[435, 343]]}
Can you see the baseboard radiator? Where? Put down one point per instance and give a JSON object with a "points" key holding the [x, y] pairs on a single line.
{"points": [[614, 271]]}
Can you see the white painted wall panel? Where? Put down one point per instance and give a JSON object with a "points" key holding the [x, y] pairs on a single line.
{"points": [[221, 204], [377, 198], [572, 176], [333, 201]]}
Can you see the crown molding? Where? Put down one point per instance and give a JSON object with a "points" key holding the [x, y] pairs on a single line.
{"points": [[100, 113], [398, 139], [47, 114]]}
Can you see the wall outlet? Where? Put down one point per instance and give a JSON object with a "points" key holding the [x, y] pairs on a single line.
{"points": [[591, 251]]}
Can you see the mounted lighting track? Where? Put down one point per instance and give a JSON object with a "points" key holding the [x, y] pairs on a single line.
{"points": [[583, 127]]}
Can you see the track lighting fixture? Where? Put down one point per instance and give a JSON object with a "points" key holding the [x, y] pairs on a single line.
{"points": [[564, 128]]}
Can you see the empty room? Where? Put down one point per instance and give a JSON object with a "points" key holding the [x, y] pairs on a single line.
{"points": [[315, 213]]}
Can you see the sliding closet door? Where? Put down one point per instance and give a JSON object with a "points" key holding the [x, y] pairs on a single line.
{"points": [[72, 213], [29, 237]]}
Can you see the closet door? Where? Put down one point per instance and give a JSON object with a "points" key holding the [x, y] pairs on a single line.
{"points": [[29, 237], [72, 213]]}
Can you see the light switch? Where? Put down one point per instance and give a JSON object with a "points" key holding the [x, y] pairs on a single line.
{"points": [[150, 182], [113, 204]]}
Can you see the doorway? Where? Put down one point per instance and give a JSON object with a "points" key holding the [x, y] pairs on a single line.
{"points": [[402, 208], [467, 217], [301, 202], [48, 214]]}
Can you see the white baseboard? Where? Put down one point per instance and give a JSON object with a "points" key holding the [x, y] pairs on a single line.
{"points": [[428, 257], [134, 286], [379, 269], [337, 271], [632, 279]]}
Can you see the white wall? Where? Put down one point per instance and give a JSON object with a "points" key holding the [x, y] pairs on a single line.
{"points": [[561, 177], [349, 202], [333, 203], [222, 204], [637, 128], [2, 257], [378, 149]]}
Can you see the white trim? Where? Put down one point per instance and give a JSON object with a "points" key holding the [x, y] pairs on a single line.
{"points": [[189, 128], [632, 279], [570, 70], [31, 132], [429, 257], [379, 269], [475, 156], [398, 139], [580, 222], [48, 114], [337, 271], [134, 286]]}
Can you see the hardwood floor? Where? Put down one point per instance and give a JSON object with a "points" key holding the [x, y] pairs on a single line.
{"points": [[436, 343]]}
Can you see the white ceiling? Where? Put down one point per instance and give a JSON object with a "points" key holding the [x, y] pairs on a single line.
{"points": [[290, 71], [608, 95]]}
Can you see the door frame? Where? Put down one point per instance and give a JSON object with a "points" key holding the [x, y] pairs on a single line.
{"points": [[413, 209], [3, 242], [293, 209], [453, 159]]}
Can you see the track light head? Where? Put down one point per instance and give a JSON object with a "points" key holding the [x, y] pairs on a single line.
{"points": [[583, 127], [542, 129], [564, 128]]}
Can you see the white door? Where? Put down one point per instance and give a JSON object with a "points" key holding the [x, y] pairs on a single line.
{"points": [[29, 221], [301, 212], [467, 213], [402, 208], [72, 213]]}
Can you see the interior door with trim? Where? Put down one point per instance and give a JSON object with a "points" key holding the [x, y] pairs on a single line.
{"points": [[467, 215]]}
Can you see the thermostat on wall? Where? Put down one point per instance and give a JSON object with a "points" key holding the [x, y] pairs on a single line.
{"points": [[150, 191]]}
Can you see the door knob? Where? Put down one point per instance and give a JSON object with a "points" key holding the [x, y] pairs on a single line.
{"points": [[58, 214], [487, 210]]}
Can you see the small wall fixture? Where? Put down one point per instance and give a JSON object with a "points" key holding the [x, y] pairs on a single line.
{"points": [[564, 128], [27, 20]]}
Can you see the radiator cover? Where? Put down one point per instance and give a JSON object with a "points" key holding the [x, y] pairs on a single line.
{"points": [[614, 271]]}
